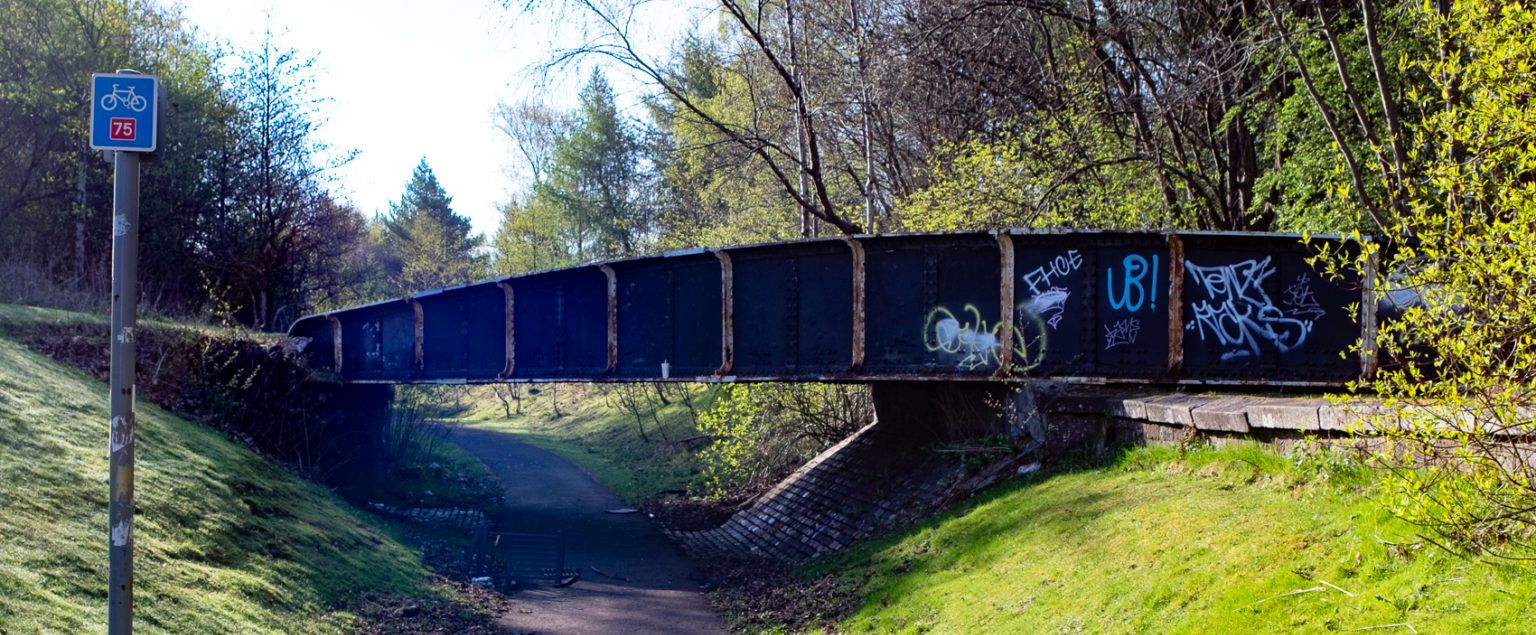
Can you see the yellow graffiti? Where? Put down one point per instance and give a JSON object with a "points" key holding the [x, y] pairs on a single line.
{"points": [[976, 340], [1029, 353]]}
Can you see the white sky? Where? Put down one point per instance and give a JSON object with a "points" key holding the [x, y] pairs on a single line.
{"points": [[411, 79]]}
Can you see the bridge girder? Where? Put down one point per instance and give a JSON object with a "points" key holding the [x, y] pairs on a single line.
{"points": [[1191, 308]]}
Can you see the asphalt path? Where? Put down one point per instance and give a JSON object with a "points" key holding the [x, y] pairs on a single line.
{"points": [[633, 581]]}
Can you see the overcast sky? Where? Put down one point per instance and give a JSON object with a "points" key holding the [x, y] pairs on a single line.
{"points": [[410, 79]]}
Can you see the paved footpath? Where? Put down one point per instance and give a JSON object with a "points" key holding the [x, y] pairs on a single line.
{"points": [[646, 589]]}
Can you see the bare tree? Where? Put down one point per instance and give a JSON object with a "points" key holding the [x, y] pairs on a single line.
{"points": [[510, 396], [533, 128], [633, 400], [609, 34]]}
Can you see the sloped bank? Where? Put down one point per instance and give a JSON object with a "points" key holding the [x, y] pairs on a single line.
{"points": [[253, 387], [227, 540]]}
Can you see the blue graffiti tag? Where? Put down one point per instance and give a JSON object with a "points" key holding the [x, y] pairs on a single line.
{"points": [[1137, 286]]}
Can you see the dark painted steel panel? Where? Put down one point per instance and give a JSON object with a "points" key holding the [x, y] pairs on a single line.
{"points": [[792, 310], [561, 321], [322, 342], [696, 341], [1131, 332], [669, 313], [1055, 316], [825, 295], [1255, 309], [464, 333], [934, 305], [645, 318], [379, 342]]}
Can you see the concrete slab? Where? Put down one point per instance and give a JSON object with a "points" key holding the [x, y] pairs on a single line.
{"points": [[1287, 413], [1227, 414], [1126, 407], [1174, 409], [1346, 416]]}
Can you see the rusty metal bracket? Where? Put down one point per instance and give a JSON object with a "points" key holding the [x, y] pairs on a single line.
{"points": [[336, 352], [511, 330], [859, 300], [419, 335], [1175, 304], [727, 314], [1369, 355], [1006, 293], [613, 317]]}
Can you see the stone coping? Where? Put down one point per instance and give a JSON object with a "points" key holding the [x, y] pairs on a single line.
{"points": [[1217, 412], [1242, 413]]}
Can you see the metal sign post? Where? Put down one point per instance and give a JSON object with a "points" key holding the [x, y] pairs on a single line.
{"points": [[124, 119]]}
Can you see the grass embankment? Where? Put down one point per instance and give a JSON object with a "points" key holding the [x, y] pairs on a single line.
{"points": [[603, 439], [1218, 541], [227, 542]]}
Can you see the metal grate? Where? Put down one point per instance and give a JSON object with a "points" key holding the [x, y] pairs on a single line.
{"points": [[509, 557]]}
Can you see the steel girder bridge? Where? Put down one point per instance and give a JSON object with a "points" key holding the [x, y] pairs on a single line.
{"points": [[1175, 308]]}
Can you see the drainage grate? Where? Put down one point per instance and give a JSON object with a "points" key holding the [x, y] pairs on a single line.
{"points": [[510, 557]]}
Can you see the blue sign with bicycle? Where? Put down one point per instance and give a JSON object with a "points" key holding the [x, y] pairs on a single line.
{"points": [[124, 115]]}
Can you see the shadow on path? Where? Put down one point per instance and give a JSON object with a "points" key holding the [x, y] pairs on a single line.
{"points": [[646, 587]]}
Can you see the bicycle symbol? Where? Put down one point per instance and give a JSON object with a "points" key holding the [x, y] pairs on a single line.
{"points": [[123, 96]]}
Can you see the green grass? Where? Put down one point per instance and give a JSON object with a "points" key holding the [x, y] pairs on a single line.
{"points": [[19, 316], [227, 542], [600, 438], [1219, 541]]}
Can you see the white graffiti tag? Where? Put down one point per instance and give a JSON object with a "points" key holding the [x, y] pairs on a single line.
{"points": [[975, 343], [1040, 278], [1299, 300], [1238, 314], [1051, 305], [1122, 333]]}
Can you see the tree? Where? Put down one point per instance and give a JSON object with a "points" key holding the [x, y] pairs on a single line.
{"points": [[427, 244], [794, 157], [534, 235], [596, 178], [1459, 370], [274, 235]]}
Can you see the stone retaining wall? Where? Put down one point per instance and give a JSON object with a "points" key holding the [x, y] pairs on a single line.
{"points": [[874, 480]]}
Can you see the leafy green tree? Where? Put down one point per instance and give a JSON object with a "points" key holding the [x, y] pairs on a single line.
{"points": [[532, 237], [427, 244], [598, 180], [1459, 378], [1015, 179]]}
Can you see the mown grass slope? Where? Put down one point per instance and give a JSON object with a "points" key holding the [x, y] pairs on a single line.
{"points": [[227, 542], [1218, 541]]}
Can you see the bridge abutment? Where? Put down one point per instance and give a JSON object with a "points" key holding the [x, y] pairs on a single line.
{"points": [[911, 461]]}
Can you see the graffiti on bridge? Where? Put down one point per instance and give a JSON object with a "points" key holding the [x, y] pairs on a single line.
{"points": [[971, 342], [1122, 333], [1041, 279], [1138, 284], [1050, 306], [1239, 315], [1300, 301]]}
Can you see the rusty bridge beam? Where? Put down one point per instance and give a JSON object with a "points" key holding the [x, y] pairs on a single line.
{"points": [[1093, 306]]}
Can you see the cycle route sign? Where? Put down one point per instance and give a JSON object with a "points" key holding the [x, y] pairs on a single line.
{"points": [[124, 115]]}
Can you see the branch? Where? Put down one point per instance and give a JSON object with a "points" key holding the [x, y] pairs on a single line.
{"points": [[1328, 118]]}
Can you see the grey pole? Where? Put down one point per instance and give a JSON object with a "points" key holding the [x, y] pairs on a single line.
{"points": [[125, 309]]}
